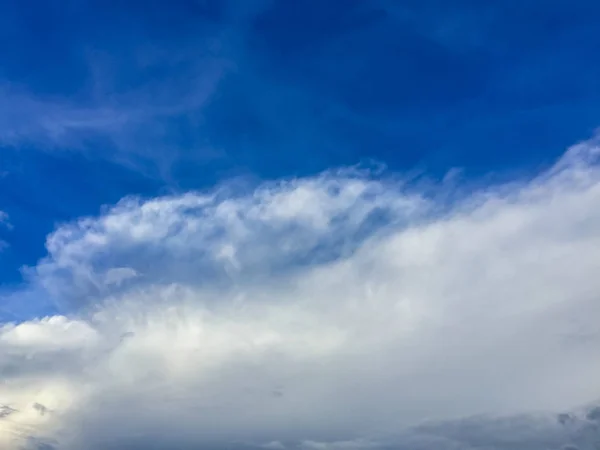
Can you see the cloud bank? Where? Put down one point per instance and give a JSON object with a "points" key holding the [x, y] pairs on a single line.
{"points": [[346, 310]]}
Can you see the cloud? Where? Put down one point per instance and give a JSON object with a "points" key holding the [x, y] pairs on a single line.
{"points": [[28, 119], [126, 96], [4, 222], [345, 310], [113, 119], [4, 219], [134, 96]]}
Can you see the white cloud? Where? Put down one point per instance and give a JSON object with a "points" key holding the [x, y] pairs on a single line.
{"points": [[118, 275], [326, 312]]}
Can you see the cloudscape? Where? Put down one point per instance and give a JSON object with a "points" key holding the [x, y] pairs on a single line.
{"points": [[299, 226]]}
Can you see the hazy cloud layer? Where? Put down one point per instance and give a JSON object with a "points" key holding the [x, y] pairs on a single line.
{"points": [[339, 311]]}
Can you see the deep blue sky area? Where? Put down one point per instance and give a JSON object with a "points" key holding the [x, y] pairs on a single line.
{"points": [[103, 99]]}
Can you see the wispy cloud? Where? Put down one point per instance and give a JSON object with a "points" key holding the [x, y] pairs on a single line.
{"points": [[338, 311], [132, 101], [62, 124], [4, 219], [271, 84], [27, 119], [4, 222]]}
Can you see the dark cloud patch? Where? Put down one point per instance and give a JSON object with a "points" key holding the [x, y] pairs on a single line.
{"points": [[594, 414], [6, 411]]}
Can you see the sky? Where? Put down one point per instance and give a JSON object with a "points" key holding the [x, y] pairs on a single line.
{"points": [[299, 225]]}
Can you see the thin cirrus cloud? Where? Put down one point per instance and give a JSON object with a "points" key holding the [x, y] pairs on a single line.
{"points": [[53, 124], [132, 96], [341, 311]]}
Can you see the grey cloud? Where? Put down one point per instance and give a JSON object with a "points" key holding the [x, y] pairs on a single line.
{"points": [[6, 411], [594, 414]]}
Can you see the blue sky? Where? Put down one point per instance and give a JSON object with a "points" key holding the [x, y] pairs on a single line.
{"points": [[105, 99], [326, 163]]}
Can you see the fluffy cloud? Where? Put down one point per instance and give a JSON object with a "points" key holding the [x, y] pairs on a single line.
{"points": [[334, 312]]}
